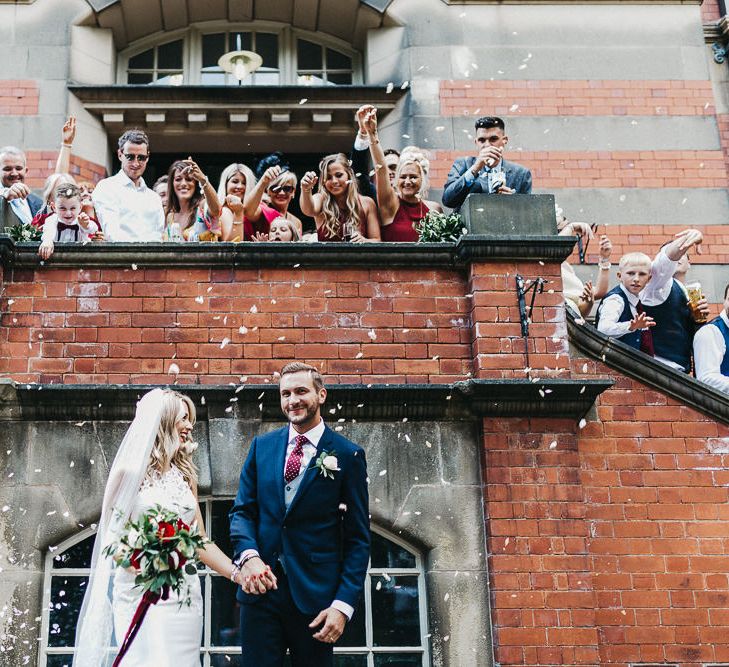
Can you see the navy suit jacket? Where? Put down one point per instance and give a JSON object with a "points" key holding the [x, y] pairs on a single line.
{"points": [[456, 190], [326, 549]]}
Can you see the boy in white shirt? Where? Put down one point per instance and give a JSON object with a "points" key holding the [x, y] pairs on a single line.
{"points": [[711, 350], [68, 223]]}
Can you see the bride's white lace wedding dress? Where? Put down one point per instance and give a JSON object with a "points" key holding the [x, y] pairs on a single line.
{"points": [[170, 634]]}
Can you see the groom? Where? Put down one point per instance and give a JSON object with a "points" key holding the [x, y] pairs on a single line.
{"points": [[300, 530]]}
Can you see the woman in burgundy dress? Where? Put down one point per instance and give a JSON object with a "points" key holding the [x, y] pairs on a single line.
{"points": [[401, 204], [340, 212]]}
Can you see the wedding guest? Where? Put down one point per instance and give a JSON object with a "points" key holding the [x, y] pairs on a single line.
{"points": [[68, 223], [128, 210], [235, 181], [195, 210], [340, 212], [279, 184], [401, 205], [487, 172], [18, 205], [53, 182], [281, 230], [161, 187], [711, 344]]}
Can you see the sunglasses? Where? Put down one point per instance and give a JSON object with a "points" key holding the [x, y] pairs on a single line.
{"points": [[137, 158], [286, 189]]}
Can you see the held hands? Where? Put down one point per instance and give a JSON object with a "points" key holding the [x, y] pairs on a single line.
{"points": [[308, 181], [256, 578], [68, 133], [641, 321], [333, 622]]}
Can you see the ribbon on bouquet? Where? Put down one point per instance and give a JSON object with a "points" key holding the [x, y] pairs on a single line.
{"points": [[148, 599]]}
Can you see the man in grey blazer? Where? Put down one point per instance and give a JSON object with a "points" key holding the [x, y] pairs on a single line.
{"points": [[488, 172], [18, 204]]}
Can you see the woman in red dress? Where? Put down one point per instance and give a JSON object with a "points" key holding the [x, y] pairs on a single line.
{"points": [[402, 204], [340, 212]]}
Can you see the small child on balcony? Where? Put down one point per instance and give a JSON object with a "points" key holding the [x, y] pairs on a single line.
{"points": [[68, 223]]}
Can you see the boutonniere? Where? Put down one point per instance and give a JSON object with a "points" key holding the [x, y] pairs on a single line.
{"points": [[327, 464]]}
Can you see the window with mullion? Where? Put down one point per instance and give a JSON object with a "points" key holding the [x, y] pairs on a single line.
{"points": [[265, 44], [160, 65]]}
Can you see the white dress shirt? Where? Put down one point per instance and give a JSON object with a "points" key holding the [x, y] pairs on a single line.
{"points": [[50, 232], [654, 293], [128, 212], [709, 351], [313, 435]]}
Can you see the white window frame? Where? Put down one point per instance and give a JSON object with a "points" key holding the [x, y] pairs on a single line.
{"points": [[206, 649], [192, 49]]}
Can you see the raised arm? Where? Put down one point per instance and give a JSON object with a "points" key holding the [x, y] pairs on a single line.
{"points": [[68, 134], [211, 196], [231, 219], [309, 202], [387, 199], [254, 195]]}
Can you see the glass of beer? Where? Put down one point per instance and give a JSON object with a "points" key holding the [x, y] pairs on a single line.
{"points": [[695, 295]]}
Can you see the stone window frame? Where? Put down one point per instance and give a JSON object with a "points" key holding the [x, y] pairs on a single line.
{"points": [[192, 49], [207, 649]]}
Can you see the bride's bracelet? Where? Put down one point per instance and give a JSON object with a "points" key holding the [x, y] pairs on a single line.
{"points": [[234, 573]]}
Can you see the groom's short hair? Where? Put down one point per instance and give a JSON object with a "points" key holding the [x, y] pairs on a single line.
{"points": [[299, 366]]}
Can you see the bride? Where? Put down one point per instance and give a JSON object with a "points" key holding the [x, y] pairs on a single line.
{"points": [[152, 467]]}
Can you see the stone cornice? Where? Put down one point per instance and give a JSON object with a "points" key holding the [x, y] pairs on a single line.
{"points": [[467, 250], [470, 399], [645, 369]]}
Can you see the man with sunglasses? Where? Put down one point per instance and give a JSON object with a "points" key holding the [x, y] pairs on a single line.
{"points": [[127, 209], [487, 172]]}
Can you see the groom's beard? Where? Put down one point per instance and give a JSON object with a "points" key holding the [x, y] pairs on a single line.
{"points": [[305, 413]]}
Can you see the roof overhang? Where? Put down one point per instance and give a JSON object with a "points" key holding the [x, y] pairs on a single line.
{"points": [[235, 118]]}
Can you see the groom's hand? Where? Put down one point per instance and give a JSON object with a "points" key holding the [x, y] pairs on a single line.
{"points": [[334, 622], [256, 577]]}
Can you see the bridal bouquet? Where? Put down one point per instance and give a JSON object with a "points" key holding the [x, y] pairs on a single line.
{"points": [[158, 546]]}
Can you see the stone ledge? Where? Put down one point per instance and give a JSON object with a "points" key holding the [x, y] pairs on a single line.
{"points": [[641, 367], [466, 400], [467, 250]]}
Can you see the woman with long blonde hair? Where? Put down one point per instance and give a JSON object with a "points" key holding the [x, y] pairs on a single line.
{"points": [[340, 212], [235, 181], [153, 466]]}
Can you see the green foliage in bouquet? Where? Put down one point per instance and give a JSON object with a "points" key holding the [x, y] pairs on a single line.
{"points": [[159, 546], [440, 228], [22, 233]]}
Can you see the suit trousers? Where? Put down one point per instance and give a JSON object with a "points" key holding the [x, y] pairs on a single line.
{"points": [[273, 624]]}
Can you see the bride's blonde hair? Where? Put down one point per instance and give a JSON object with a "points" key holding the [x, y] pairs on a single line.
{"points": [[167, 449]]}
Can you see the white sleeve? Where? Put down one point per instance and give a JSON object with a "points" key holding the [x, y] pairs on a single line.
{"points": [[709, 350], [610, 311], [50, 227], [361, 144], [659, 286], [107, 210]]}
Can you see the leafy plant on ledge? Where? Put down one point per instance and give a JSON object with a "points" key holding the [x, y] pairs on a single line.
{"points": [[440, 228], [23, 233]]}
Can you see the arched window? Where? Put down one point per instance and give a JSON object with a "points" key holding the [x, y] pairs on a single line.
{"points": [[190, 57], [389, 628]]}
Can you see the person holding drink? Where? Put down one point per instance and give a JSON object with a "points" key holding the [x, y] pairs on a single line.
{"points": [[711, 344]]}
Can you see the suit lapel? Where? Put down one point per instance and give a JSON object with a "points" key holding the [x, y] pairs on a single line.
{"points": [[311, 471], [278, 477]]}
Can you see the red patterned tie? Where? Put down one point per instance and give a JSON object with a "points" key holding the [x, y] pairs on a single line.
{"points": [[293, 465], [646, 335]]}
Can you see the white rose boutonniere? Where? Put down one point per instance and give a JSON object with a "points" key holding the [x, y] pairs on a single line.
{"points": [[327, 464]]}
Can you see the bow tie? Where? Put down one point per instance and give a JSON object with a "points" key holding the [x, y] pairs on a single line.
{"points": [[62, 226]]}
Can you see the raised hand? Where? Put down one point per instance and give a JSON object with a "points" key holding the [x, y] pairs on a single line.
{"points": [[690, 237], [606, 247], [194, 170], [260, 237], [587, 293], [308, 181], [488, 156], [641, 321], [17, 191], [84, 220], [234, 203], [361, 115], [68, 133], [370, 122], [332, 623], [271, 174]]}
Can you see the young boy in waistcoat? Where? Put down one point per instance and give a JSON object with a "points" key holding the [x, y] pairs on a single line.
{"points": [[663, 301], [711, 350]]}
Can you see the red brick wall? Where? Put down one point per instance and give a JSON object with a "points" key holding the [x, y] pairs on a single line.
{"points": [[576, 98], [710, 11], [18, 98], [42, 164], [125, 325], [609, 169], [608, 544]]}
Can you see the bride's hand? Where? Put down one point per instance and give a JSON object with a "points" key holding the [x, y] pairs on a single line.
{"points": [[256, 577]]}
